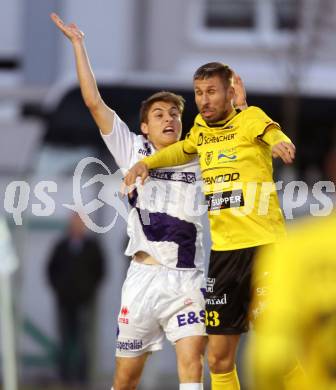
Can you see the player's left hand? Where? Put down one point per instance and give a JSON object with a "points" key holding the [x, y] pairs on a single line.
{"points": [[284, 150]]}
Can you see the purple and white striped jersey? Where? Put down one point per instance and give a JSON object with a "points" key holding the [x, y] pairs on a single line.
{"points": [[165, 219]]}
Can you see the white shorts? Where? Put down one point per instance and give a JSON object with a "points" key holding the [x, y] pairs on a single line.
{"points": [[158, 300]]}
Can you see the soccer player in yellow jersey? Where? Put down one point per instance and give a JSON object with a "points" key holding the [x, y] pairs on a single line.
{"points": [[299, 321], [235, 151]]}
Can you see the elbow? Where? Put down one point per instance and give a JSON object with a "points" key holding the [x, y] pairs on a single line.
{"points": [[92, 103], [92, 99]]}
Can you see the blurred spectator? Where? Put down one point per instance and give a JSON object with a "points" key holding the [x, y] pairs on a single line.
{"points": [[75, 271], [296, 316]]}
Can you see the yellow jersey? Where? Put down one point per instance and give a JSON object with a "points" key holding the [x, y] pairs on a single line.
{"points": [[236, 166], [299, 321]]}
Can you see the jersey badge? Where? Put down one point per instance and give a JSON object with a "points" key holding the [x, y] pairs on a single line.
{"points": [[208, 157]]}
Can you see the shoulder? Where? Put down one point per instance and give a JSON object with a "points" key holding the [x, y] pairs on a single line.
{"points": [[253, 112], [255, 119], [118, 125]]}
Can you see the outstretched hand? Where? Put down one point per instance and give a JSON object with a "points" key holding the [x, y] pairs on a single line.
{"points": [[138, 170], [71, 31], [284, 150]]}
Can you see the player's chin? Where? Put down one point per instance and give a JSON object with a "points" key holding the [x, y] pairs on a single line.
{"points": [[170, 138], [210, 117]]}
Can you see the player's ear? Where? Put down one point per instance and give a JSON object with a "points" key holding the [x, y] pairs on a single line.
{"points": [[144, 128]]}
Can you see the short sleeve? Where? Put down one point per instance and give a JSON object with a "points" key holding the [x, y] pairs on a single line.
{"points": [[256, 122], [120, 142]]}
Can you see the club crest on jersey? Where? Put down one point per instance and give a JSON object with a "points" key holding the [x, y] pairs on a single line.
{"points": [[123, 315], [208, 157]]}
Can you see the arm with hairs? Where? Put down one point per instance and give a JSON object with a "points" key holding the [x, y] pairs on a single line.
{"points": [[102, 114]]}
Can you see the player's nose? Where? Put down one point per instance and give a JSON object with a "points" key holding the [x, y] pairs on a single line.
{"points": [[169, 119], [204, 99]]}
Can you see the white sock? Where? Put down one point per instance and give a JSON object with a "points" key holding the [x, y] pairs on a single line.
{"points": [[191, 386]]}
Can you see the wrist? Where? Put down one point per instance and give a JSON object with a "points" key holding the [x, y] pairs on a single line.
{"points": [[77, 44], [241, 106]]}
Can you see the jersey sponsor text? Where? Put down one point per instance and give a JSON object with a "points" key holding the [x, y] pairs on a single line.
{"points": [[225, 200]]}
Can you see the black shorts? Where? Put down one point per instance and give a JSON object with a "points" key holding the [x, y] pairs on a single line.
{"points": [[228, 293]]}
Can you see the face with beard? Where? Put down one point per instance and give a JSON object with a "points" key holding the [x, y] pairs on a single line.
{"points": [[213, 99]]}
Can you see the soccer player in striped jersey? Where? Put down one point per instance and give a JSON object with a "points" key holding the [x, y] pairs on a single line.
{"points": [[235, 150]]}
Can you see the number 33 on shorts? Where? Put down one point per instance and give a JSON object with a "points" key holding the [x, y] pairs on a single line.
{"points": [[212, 318]]}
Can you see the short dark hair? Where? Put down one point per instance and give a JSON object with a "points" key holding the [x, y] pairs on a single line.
{"points": [[163, 96], [215, 69]]}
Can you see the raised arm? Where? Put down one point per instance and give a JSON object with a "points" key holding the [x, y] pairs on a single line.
{"points": [[239, 100], [102, 114]]}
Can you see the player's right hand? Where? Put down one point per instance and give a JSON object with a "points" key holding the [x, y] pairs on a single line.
{"points": [[138, 170], [239, 100], [71, 30]]}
